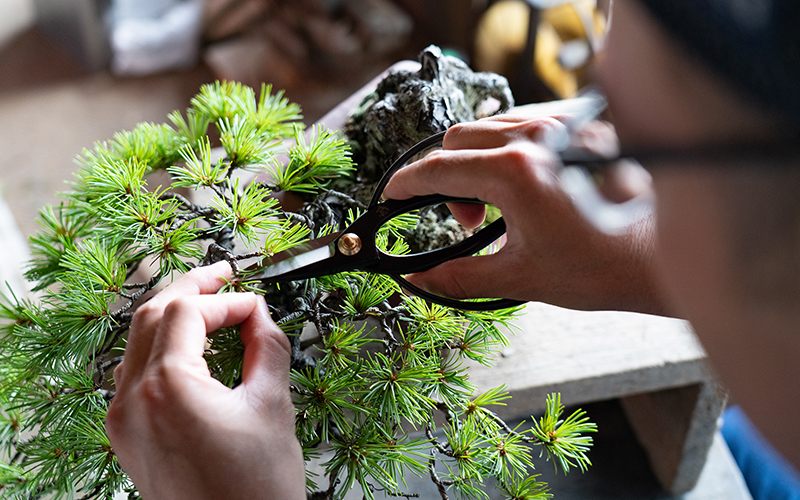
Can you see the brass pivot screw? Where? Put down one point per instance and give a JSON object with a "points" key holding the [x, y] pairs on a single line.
{"points": [[349, 244]]}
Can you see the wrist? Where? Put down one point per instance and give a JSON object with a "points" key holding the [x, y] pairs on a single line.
{"points": [[638, 286]]}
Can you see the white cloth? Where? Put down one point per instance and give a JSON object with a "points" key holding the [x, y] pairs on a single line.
{"points": [[144, 45]]}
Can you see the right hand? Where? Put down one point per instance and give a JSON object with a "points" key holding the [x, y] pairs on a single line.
{"points": [[552, 253]]}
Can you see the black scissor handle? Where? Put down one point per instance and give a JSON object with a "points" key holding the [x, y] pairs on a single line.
{"points": [[418, 262], [427, 260], [430, 142], [396, 265]]}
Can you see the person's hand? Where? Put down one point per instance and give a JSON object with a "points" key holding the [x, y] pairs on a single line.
{"points": [[552, 254], [181, 434]]}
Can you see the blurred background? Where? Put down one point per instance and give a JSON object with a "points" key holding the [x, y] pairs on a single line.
{"points": [[75, 71]]}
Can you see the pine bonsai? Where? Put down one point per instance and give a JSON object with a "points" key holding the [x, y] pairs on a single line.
{"points": [[368, 379]]}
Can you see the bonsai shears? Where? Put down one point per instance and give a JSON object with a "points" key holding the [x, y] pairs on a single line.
{"points": [[355, 248]]}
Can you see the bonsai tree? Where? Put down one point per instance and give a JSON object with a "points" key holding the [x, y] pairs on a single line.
{"points": [[369, 375]]}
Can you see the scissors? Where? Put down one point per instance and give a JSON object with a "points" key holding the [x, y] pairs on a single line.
{"points": [[354, 248]]}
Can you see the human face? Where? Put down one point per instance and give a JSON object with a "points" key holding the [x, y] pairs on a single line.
{"points": [[661, 98]]}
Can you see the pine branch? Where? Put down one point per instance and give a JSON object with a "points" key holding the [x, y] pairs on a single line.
{"points": [[379, 359]]}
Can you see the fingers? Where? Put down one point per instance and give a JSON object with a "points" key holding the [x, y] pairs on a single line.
{"points": [[465, 278], [187, 320], [515, 117], [497, 132], [624, 181], [598, 137], [473, 159], [488, 175], [198, 281], [265, 369], [180, 335], [469, 215], [175, 323], [442, 172]]}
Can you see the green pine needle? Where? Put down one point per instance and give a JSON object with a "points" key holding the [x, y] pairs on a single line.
{"points": [[288, 235], [221, 100], [244, 143], [313, 165], [192, 129], [342, 344], [564, 440], [366, 291], [274, 114], [529, 488], [249, 213], [176, 248], [198, 171], [368, 360], [398, 393], [224, 355]]}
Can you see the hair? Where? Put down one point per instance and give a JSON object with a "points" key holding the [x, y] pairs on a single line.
{"points": [[754, 47], [753, 44]]}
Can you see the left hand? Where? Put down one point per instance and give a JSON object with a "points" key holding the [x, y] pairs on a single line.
{"points": [[179, 433]]}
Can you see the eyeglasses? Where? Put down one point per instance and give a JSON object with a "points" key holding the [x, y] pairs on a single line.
{"points": [[580, 165]]}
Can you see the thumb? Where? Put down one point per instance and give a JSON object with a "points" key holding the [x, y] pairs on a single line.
{"points": [[464, 278], [265, 368]]}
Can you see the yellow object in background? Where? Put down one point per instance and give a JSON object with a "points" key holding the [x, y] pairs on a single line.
{"points": [[500, 37], [562, 42]]}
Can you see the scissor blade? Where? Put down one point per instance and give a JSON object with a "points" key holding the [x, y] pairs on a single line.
{"points": [[302, 255]]}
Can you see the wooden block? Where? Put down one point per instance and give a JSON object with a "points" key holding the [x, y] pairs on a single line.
{"points": [[676, 428], [592, 356], [655, 365]]}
